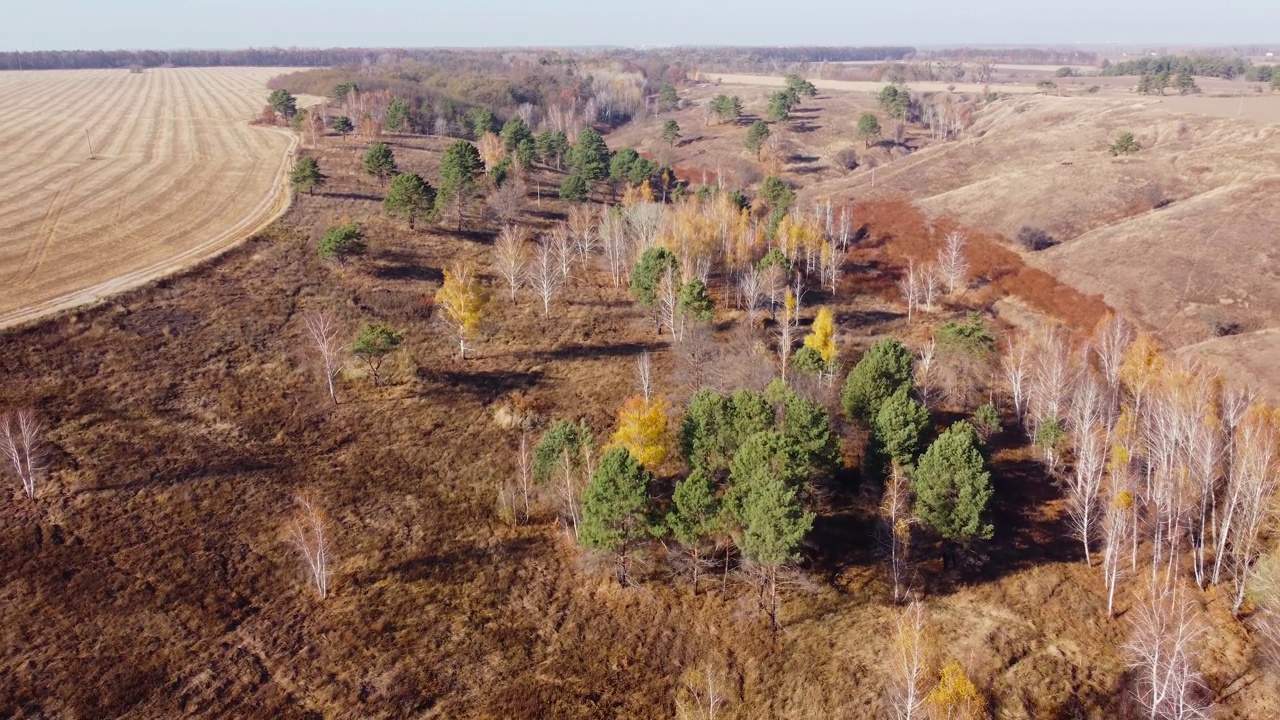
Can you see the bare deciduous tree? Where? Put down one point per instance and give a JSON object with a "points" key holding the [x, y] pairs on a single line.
{"points": [[508, 201], [1115, 534], [1086, 483], [1016, 368], [309, 533], [895, 516], [644, 375], [911, 289], [1110, 340], [1166, 631], [510, 256], [925, 375], [669, 304], [952, 263], [751, 291], [544, 275], [582, 228], [930, 287], [524, 474], [21, 442], [561, 243], [613, 237], [910, 664], [329, 347], [1252, 490]]}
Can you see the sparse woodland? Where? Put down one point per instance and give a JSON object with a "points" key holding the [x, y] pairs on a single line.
{"points": [[505, 421]]}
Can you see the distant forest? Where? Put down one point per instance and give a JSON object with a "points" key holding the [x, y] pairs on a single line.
{"points": [[737, 57], [1203, 66], [1018, 56]]}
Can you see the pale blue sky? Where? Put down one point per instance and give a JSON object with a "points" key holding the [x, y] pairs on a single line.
{"points": [[167, 24]]}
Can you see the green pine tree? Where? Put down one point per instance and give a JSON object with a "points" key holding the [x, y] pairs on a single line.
{"points": [[591, 156], [774, 525], [757, 134], [380, 162], [695, 302], [410, 197], [884, 369], [616, 508], [952, 486], [899, 428], [306, 175], [396, 118], [695, 517], [648, 273], [458, 169], [515, 132], [573, 188], [668, 100], [373, 344], [763, 457], [283, 102], [341, 241], [341, 124], [671, 132]]}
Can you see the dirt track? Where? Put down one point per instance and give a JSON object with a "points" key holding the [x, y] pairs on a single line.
{"points": [[177, 175]]}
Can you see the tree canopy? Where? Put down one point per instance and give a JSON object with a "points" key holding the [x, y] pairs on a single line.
{"points": [[727, 108], [573, 188], [757, 134], [458, 169], [671, 131], [668, 100], [648, 273], [306, 175], [884, 369], [952, 487], [380, 162], [283, 102], [616, 507], [410, 198], [590, 156], [341, 241], [868, 128], [899, 428]]}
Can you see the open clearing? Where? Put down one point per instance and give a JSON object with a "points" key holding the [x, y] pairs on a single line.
{"points": [[177, 175]]}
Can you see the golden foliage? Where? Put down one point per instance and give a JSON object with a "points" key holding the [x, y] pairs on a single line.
{"points": [[463, 302], [955, 697], [492, 150], [1142, 364], [822, 336], [642, 430]]}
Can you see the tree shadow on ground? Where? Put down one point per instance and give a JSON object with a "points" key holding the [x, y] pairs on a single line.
{"points": [[485, 384], [352, 196], [462, 563], [591, 352], [395, 265]]}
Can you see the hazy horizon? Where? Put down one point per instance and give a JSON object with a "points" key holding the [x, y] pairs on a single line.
{"points": [[233, 24]]}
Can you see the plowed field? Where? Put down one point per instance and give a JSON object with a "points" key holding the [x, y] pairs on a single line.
{"points": [[176, 175]]}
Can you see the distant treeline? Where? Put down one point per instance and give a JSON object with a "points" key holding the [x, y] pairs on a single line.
{"points": [[251, 57], [765, 59], [1203, 66], [1015, 56]]}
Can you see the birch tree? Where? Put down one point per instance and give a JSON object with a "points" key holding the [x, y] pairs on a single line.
{"points": [[544, 275], [895, 516], [511, 257], [1015, 366], [1115, 533], [910, 664], [1163, 650], [463, 303], [614, 239], [1254, 484], [309, 533], [952, 263], [910, 287], [21, 443], [582, 228], [329, 347]]}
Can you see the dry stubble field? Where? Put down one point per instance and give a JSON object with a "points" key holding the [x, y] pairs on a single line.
{"points": [[177, 175]]}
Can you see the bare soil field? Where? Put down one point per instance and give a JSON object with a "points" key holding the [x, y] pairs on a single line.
{"points": [[153, 578], [177, 175]]}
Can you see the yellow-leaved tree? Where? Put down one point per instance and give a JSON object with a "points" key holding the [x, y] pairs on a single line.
{"points": [[642, 430], [463, 303], [822, 335], [955, 697]]}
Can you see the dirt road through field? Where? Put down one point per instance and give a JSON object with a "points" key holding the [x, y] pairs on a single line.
{"points": [[176, 175]]}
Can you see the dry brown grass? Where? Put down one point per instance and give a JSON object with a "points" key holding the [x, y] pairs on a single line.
{"points": [[152, 577], [177, 175]]}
